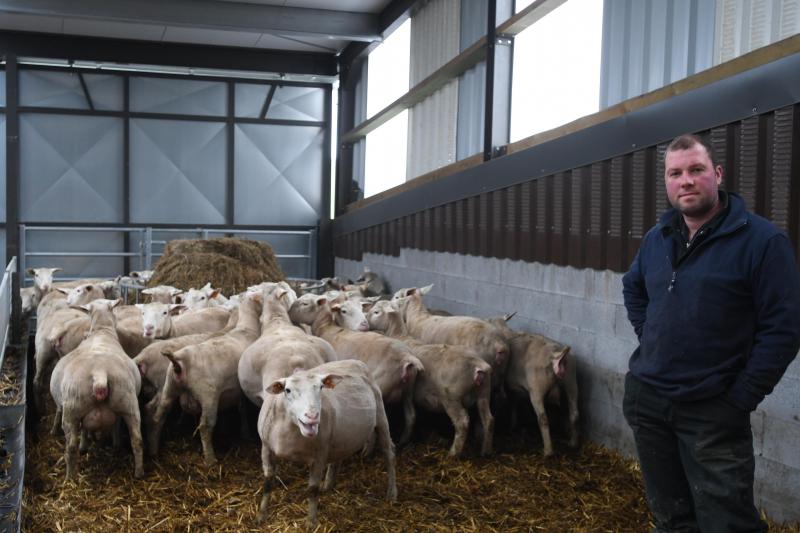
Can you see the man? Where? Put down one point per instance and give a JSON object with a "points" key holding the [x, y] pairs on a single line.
{"points": [[714, 297]]}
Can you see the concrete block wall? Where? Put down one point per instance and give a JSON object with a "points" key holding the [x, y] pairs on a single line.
{"points": [[584, 308]]}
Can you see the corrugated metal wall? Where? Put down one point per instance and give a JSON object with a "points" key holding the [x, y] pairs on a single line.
{"points": [[744, 25], [595, 216], [432, 122], [650, 43]]}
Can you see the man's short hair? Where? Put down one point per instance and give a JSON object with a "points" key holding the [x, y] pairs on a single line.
{"points": [[686, 141]]}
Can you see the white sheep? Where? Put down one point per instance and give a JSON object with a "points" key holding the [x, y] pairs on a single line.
{"points": [[94, 384], [320, 417]]}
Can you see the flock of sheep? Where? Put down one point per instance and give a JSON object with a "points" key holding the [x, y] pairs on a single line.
{"points": [[320, 367]]}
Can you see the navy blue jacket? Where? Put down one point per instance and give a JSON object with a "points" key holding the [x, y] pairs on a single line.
{"points": [[725, 320]]}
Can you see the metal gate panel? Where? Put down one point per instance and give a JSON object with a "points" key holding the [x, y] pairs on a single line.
{"points": [[70, 168], [177, 172], [179, 96], [278, 173]]}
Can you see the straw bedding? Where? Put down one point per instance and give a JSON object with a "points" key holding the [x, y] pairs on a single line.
{"points": [[516, 489]]}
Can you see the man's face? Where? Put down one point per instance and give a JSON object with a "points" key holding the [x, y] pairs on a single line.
{"points": [[692, 181]]}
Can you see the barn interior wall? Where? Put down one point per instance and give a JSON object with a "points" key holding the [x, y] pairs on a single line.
{"points": [[584, 308]]}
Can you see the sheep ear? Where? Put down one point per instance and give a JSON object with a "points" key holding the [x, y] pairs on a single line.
{"points": [[30, 271], [336, 308], [140, 307], [176, 309], [116, 303], [365, 306], [214, 294], [83, 308], [321, 300], [410, 291], [331, 380], [277, 387], [509, 316], [174, 292], [62, 290], [56, 270], [133, 274], [147, 291], [426, 289]]}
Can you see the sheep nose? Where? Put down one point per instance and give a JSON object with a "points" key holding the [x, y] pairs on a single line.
{"points": [[312, 417]]}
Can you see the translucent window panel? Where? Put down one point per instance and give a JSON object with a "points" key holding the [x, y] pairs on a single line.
{"points": [[71, 168], [2, 88], [278, 174], [63, 89], [177, 172], [178, 96], [74, 243], [288, 102], [2, 168], [298, 103], [250, 98]]}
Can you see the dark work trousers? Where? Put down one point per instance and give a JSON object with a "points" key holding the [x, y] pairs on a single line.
{"points": [[697, 461]]}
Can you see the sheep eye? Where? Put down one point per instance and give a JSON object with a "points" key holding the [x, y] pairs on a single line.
{"points": [[287, 391], [202, 298], [164, 313], [344, 311]]}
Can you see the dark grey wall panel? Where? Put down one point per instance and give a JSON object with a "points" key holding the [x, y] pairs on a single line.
{"points": [[278, 174], [180, 96], [250, 98], [298, 103], [2, 88], [70, 168], [177, 172]]}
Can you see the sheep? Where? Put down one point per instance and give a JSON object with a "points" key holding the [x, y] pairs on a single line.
{"points": [[392, 363], [281, 348], [42, 279], [536, 368], [202, 298], [207, 373], [153, 366], [482, 337], [142, 276], [54, 311], [164, 294], [454, 380], [371, 284], [93, 385], [321, 417]]}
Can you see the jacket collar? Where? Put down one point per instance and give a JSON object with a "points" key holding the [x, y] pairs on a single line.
{"points": [[735, 219]]}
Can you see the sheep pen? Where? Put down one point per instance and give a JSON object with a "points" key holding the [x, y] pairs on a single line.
{"points": [[516, 489]]}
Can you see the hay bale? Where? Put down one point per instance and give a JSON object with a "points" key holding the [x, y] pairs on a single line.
{"points": [[229, 264]]}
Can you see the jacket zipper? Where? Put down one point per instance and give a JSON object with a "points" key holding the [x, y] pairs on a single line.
{"points": [[674, 276]]}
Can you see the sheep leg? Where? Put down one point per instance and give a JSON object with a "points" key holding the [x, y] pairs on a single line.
{"points": [[330, 477], [460, 419], [71, 432], [486, 418], [571, 388], [208, 421], [244, 426], [386, 444], [165, 401], [537, 399], [57, 429], [133, 421], [116, 435], [269, 479], [409, 415], [316, 473], [84, 441]]}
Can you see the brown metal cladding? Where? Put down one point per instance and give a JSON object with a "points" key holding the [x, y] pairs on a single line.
{"points": [[427, 229], [595, 246], [511, 229], [615, 252], [471, 226], [448, 228], [526, 222], [497, 237], [577, 216], [779, 176], [460, 227], [748, 162], [595, 216], [559, 185], [541, 229]]}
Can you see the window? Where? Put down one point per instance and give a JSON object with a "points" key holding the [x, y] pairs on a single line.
{"points": [[556, 71], [387, 80]]}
